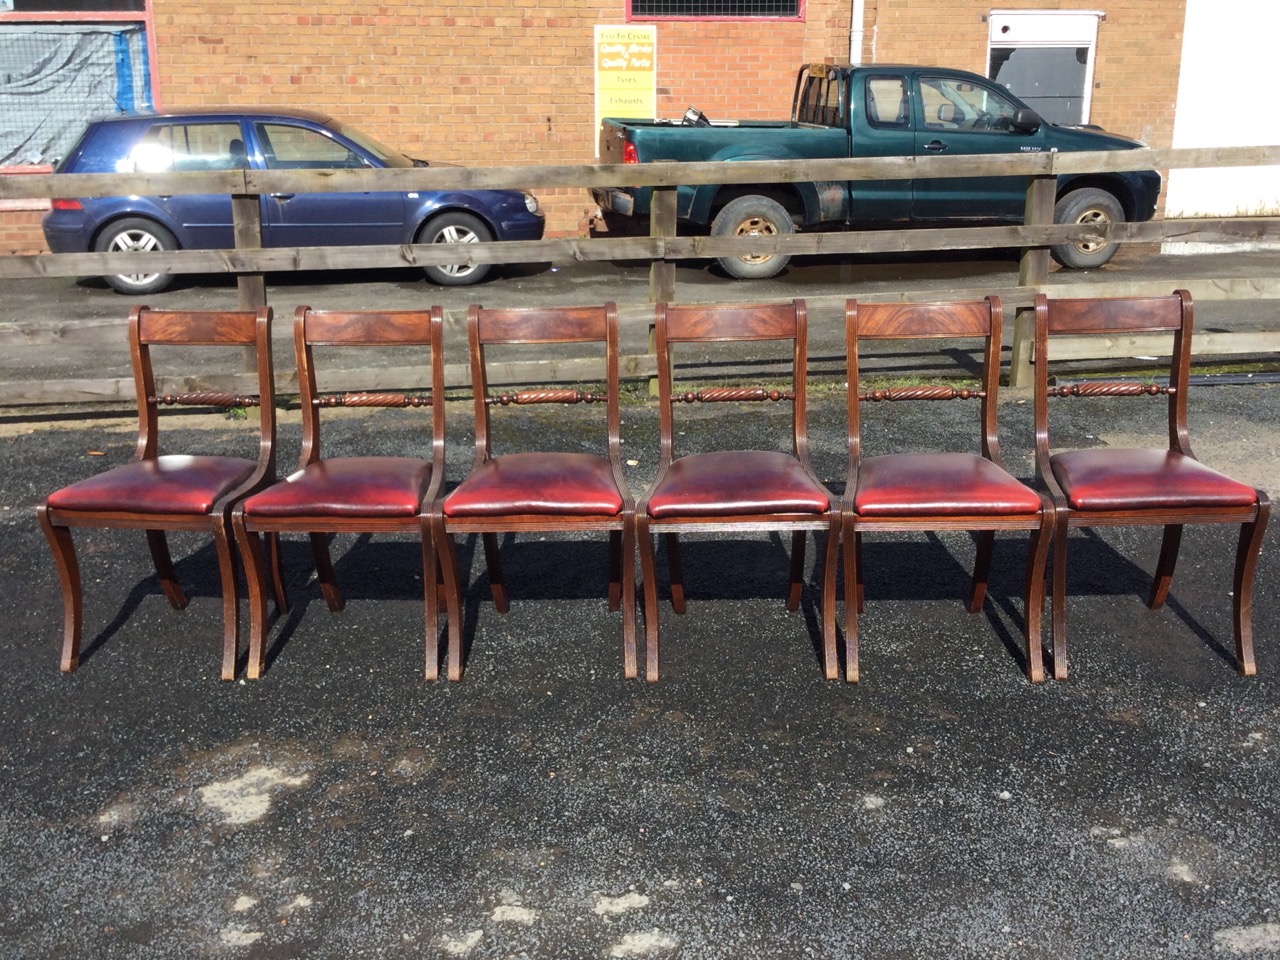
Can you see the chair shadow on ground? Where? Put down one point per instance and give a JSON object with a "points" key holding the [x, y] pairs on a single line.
{"points": [[366, 568], [949, 577]]}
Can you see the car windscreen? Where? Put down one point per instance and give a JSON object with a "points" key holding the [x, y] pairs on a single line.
{"points": [[392, 158]]}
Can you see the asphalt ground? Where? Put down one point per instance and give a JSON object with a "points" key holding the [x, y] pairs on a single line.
{"points": [[545, 807], [742, 807]]}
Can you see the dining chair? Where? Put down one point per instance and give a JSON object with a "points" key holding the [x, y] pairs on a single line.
{"points": [[937, 490], [538, 490], [734, 491], [159, 492], [1163, 486], [362, 493]]}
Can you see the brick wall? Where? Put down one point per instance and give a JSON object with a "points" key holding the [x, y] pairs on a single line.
{"points": [[511, 81]]}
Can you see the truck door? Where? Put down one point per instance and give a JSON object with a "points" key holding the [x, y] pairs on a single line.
{"points": [[880, 124], [962, 116]]}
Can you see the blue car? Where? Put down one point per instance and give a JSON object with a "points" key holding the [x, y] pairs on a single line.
{"points": [[260, 139]]}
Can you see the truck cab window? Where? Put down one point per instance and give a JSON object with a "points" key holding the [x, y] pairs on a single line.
{"points": [[887, 104], [954, 105]]}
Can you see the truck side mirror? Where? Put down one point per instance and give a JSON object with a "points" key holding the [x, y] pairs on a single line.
{"points": [[1025, 120]]}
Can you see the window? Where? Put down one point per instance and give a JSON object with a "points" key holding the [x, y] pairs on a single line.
{"points": [[182, 147], [63, 62], [286, 147], [954, 105], [714, 9], [887, 103], [820, 100]]}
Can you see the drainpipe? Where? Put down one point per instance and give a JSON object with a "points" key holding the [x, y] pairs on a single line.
{"points": [[856, 31]]}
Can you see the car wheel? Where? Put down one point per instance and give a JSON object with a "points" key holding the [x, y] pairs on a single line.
{"points": [[136, 235], [753, 217], [456, 227], [1092, 206]]}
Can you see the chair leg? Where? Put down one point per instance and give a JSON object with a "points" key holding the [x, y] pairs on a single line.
{"points": [[830, 566], [447, 559], [675, 569], [1250, 545], [857, 544], [64, 556], [1164, 566], [797, 571], [250, 545], [1033, 596], [159, 546], [230, 599], [324, 572], [493, 560], [615, 569], [630, 666], [431, 599], [852, 598], [276, 566], [649, 580], [1058, 599], [981, 569]]}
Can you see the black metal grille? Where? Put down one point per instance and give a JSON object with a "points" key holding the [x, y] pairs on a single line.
{"points": [[642, 9]]}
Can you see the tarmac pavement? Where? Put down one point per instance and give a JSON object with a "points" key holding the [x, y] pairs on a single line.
{"points": [[545, 807]]}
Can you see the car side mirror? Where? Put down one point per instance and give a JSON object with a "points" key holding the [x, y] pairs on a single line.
{"points": [[1025, 120]]}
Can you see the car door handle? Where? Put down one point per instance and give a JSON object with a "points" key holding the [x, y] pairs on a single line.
{"points": [[935, 145], [282, 196]]}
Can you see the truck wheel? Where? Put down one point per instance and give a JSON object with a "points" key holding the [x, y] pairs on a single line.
{"points": [[136, 235], [1093, 206], [753, 217], [456, 227]]}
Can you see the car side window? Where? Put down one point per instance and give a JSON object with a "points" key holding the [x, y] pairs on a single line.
{"points": [[951, 104], [887, 104], [184, 147], [286, 147]]}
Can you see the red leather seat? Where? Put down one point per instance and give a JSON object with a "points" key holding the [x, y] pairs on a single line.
{"points": [[176, 484], [939, 484], [711, 485], [1113, 478], [577, 484], [347, 487]]}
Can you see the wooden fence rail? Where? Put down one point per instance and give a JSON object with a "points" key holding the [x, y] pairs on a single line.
{"points": [[663, 248]]}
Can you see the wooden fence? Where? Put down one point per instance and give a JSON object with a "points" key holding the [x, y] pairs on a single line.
{"points": [[662, 248]]}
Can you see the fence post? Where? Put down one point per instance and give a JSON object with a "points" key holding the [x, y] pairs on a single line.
{"points": [[251, 288], [662, 223], [1033, 271]]}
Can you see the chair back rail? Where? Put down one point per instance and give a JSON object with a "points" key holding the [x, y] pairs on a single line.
{"points": [[1103, 316], [367, 328], [524, 326], [675, 324], [982, 319]]}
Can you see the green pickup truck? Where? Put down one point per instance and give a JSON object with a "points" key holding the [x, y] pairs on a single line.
{"points": [[876, 111]]}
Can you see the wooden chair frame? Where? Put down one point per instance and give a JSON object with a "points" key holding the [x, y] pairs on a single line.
{"points": [[366, 328], [539, 325], [154, 328], [1124, 316], [734, 323], [983, 320]]}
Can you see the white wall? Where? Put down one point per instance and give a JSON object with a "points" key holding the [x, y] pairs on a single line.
{"points": [[1227, 97]]}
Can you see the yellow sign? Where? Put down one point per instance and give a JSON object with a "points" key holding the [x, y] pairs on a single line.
{"points": [[626, 72]]}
